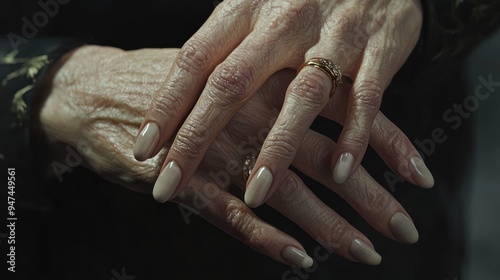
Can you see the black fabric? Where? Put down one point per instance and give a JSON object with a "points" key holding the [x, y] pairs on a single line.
{"points": [[21, 69], [92, 229]]}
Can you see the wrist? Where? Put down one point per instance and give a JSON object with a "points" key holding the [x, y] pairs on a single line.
{"points": [[56, 120], [51, 105], [62, 90]]}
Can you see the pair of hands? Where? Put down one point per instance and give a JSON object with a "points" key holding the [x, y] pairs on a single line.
{"points": [[97, 98], [241, 46]]}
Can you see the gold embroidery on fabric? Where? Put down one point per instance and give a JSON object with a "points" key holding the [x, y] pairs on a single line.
{"points": [[29, 68]]}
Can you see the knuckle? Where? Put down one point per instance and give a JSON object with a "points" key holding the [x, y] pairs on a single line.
{"points": [[293, 9], [322, 155], [237, 215], [311, 89], [345, 22], [191, 141], [193, 56], [375, 202], [230, 83], [396, 142], [336, 229], [372, 202], [240, 219], [348, 33], [368, 94], [166, 106], [356, 137], [280, 145], [291, 191], [289, 13]]}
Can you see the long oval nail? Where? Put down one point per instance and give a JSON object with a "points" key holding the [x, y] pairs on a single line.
{"points": [[403, 228], [167, 182], [258, 187], [343, 168], [421, 173], [297, 257], [146, 141], [364, 253]]}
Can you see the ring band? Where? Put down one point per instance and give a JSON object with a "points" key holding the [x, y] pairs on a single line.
{"points": [[328, 67], [248, 165]]}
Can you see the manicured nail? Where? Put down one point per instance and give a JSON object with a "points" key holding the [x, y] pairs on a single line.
{"points": [[403, 228], [364, 253], [167, 182], [343, 168], [258, 187], [146, 141], [296, 257], [421, 173]]}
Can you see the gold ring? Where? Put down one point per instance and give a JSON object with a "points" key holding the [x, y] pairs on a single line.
{"points": [[328, 67], [248, 165]]}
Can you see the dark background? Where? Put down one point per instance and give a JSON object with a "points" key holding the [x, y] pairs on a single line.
{"points": [[86, 228], [483, 225], [128, 24]]}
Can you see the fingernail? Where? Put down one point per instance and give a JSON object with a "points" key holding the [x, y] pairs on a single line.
{"points": [[167, 182], [297, 257], [364, 253], [146, 141], [403, 228], [421, 173], [258, 187], [343, 168]]}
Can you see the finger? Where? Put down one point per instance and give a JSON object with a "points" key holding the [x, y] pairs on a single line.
{"points": [[374, 203], [305, 98], [213, 42], [229, 87], [296, 201], [233, 217], [399, 153], [364, 101], [388, 141]]}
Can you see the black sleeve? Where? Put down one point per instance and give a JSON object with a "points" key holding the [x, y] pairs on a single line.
{"points": [[21, 69]]}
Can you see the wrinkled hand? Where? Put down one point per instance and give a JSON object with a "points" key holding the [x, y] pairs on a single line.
{"points": [[98, 96], [242, 44]]}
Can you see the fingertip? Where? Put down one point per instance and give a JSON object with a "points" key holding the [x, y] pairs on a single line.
{"points": [[167, 182], [146, 141], [343, 168], [258, 187], [296, 257], [421, 174], [250, 202], [403, 228], [307, 262], [158, 196], [364, 253]]}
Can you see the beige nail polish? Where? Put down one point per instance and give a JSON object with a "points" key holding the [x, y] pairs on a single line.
{"points": [[421, 173], [167, 182], [296, 257], [343, 168], [146, 141], [364, 253], [403, 228], [258, 187]]}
